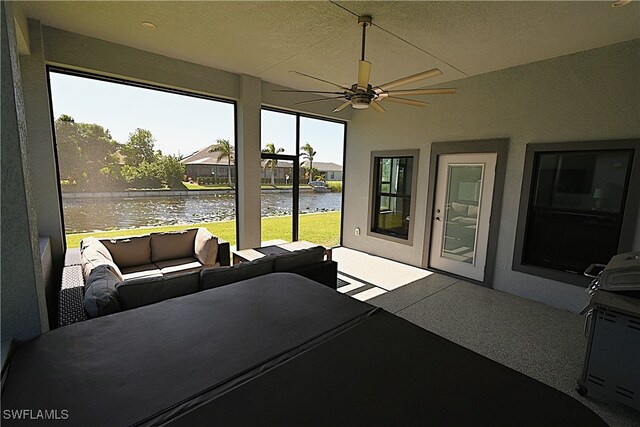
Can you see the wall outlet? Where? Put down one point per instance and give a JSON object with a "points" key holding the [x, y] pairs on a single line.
{"points": [[357, 231]]}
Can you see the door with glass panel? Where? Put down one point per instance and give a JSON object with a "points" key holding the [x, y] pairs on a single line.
{"points": [[462, 210]]}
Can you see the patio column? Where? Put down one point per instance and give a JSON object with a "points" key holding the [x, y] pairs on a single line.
{"points": [[41, 152], [248, 161], [24, 310]]}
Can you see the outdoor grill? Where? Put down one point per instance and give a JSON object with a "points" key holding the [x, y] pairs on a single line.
{"points": [[612, 326]]}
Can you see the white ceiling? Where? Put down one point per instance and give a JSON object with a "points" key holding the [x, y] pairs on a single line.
{"points": [[267, 39]]}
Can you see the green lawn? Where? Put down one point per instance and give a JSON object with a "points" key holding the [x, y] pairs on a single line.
{"points": [[198, 187], [320, 228]]}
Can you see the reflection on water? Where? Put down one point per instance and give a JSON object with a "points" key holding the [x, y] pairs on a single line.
{"points": [[82, 215]]}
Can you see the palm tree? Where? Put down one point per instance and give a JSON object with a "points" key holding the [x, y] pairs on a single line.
{"points": [[225, 149], [307, 154], [272, 163]]}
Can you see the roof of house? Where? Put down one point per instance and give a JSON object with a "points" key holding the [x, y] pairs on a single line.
{"points": [[204, 157], [324, 166]]}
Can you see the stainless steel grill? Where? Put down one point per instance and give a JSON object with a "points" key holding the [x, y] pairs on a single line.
{"points": [[612, 326]]}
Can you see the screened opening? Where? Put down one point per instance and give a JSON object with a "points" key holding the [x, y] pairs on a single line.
{"points": [[301, 194], [135, 159]]}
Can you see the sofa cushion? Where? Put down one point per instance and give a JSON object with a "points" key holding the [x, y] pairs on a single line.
{"points": [[206, 247], [473, 211], [93, 254], [100, 295], [96, 245], [220, 276], [460, 208], [179, 265], [298, 258], [148, 290], [172, 245], [144, 270], [130, 251]]}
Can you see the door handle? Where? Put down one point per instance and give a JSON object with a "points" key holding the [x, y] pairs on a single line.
{"points": [[438, 218]]}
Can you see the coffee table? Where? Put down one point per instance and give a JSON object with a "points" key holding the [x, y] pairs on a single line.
{"points": [[246, 255]]}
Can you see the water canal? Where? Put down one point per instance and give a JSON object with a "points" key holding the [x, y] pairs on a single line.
{"points": [[85, 215]]}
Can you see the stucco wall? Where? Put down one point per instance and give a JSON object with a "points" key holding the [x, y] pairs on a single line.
{"points": [[23, 301], [592, 95], [42, 153]]}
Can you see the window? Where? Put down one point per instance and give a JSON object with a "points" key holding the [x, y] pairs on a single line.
{"points": [[392, 201], [577, 207]]}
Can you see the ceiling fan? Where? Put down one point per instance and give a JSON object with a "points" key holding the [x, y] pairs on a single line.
{"points": [[363, 95]]}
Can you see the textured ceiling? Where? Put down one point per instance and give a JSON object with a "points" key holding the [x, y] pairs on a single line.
{"points": [[267, 39]]}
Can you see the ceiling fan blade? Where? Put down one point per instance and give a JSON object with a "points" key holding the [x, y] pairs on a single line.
{"points": [[321, 80], [410, 79], [406, 101], [318, 100], [364, 72], [377, 107], [342, 106], [308, 91], [443, 91]]}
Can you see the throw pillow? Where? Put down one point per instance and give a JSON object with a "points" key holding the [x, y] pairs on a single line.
{"points": [[206, 247], [100, 296], [93, 254], [460, 208]]}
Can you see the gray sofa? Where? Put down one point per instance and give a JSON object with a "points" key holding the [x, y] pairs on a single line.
{"points": [[106, 292], [149, 259]]}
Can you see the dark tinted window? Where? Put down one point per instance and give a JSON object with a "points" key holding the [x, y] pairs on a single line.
{"points": [[576, 211], [392, 196]]}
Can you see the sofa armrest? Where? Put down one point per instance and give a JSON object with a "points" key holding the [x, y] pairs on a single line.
{"points": [[224, 254], [325, 272], [71, 296]]}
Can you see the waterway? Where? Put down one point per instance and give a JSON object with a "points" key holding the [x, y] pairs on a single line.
{"points": [[85, 215]]}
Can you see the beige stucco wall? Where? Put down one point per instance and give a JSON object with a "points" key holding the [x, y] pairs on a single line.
{"points": [[592, 95]]}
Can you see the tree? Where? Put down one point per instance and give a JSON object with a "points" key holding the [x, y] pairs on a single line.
{"points": [[308, 153], [139, 148], [172, 171], [225, 149], [271, 163], [86, 152]]}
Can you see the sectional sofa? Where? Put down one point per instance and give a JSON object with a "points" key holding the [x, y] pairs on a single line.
{"points": [[123, 274]]}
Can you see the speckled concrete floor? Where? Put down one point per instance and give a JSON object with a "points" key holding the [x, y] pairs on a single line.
{"points": [[538, 340]]}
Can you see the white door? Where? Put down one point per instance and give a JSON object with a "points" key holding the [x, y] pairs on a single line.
{"points": [[461, 213]]}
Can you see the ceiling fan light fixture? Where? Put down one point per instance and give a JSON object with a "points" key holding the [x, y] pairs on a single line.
{"points": [[620, 3], [149, 25], [359, 105], [360, 101]]}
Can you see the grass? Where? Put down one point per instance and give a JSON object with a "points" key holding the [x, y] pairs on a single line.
{"points": [[196, 187], [320, 228], [336, 186]]}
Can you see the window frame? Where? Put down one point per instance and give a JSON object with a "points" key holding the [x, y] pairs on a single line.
{"points": [[375, 194], [630, 207]]}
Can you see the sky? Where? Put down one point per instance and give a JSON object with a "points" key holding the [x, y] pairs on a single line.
{"points": [[181, 124]]}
